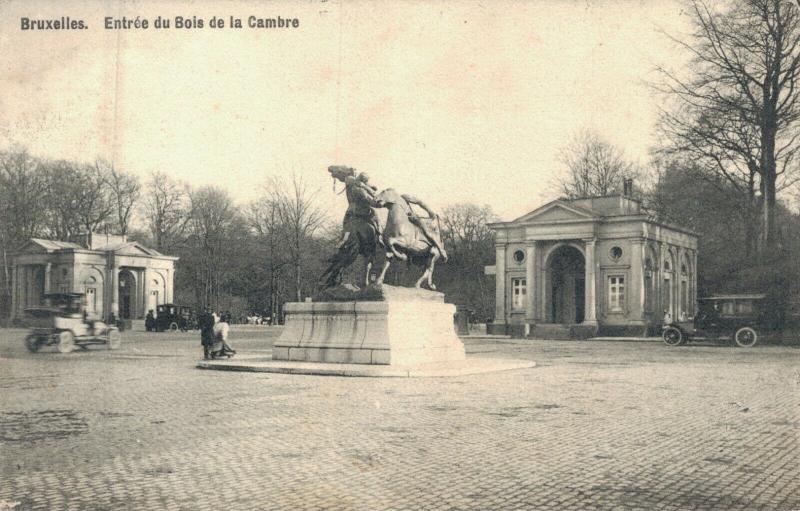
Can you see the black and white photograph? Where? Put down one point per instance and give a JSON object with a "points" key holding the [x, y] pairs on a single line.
{"points": [[440, 255]]}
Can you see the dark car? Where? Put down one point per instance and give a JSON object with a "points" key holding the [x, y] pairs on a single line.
{"points": [[170, 316], [744, 318]]}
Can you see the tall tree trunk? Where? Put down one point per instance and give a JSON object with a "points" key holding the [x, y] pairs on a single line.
{"points": [[768, 178]]}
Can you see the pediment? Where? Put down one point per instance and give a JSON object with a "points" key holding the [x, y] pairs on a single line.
{"points": [[556, 211], [135, 248], [41, 246], [32, 247]]}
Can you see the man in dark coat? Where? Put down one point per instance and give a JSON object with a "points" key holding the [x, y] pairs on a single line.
{"points": [[206, 324]]}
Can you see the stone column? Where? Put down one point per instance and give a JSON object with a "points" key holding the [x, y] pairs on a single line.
{"points": [[47, 271], [145, 292], [14, 290], [26, 286], [636, 293], [168, 286], [500, 284], [531, 297], [112, 278], [693, 280], [590, 304]]}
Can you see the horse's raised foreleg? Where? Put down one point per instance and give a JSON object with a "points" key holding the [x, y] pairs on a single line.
{"points": [[385, 268], [390, 242]]}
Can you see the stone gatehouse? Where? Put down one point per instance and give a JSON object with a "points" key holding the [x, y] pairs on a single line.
{"points": [[117, 276], [583, 267]]}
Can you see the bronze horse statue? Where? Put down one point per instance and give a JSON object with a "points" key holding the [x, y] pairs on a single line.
{"points": [[409, 237]]}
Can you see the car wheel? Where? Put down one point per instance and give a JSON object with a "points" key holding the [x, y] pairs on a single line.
{"points": [[672, 336], [745, 337], [173, 327], [32, 343], [114, 339], [66, 341]]}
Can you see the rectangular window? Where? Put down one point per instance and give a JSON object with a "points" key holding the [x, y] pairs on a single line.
{"points": [[616, 294], [745, 307], [518, 292]]}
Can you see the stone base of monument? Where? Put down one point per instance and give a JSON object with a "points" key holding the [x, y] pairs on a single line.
{"points": [[376, 331], [402, 327]]}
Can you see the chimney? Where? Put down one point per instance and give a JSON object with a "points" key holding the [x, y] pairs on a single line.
{"points": [[627, 188]]}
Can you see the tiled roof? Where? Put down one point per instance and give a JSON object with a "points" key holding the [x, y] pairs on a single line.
{"points": [[53, 244]]}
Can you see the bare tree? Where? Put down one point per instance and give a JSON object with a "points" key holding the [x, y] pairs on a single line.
{"points": [[470, 245], [165, 209], [210, 240], [738, 111], [76, 199], [265, 219], [593, 167], [124, 192], [300, 219], [21, 190]]}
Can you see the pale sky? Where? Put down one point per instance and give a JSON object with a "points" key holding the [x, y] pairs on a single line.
{"points": [[450, 101]]}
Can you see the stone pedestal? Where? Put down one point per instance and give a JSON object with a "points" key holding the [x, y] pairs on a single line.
{"points": [[398, 326]]}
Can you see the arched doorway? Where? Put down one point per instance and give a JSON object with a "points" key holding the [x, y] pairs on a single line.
{"points": [[566, 287], [127, 295]]}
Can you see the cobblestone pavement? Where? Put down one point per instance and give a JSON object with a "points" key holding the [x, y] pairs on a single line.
{"points": [[596, 425]]}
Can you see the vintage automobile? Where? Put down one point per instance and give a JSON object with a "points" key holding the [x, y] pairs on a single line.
{"points": [[62, 322], [174, 317], [743, 318]]}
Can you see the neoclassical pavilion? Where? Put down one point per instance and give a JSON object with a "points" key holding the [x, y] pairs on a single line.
{"points": [[582, 267], [118, 277]]}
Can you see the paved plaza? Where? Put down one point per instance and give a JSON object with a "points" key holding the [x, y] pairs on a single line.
{"points": [[595, 425]]}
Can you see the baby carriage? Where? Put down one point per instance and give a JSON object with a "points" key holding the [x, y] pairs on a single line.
{"points": [[220, 348]]}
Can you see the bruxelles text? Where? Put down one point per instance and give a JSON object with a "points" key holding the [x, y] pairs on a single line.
{"points": [[62, 23]]}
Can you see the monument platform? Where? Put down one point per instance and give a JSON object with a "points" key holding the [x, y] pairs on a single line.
{"points": [[378, 325], [468, 366]]}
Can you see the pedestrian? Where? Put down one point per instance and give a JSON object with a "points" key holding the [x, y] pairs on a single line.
{"points": [[221, 347], [150, 321], [206, 324]]}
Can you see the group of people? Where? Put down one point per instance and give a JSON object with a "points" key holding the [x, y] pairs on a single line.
{"points": [[214, 335]]}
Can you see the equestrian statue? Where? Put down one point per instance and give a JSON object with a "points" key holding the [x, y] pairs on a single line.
{"points": [[406, 236]]}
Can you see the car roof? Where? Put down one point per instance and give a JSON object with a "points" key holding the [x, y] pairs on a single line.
{"points": [[748, 296], [63, 295]]}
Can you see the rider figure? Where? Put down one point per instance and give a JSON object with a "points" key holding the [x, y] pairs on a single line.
{"points": [[360, 201], [416, 220]]}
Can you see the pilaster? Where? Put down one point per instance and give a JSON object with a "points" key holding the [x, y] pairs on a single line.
{"points": [[500, 284], [637, 290], [590, 305], [530, 282]]}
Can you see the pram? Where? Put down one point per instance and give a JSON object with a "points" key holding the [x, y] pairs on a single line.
{"points": [[220, 348]]}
